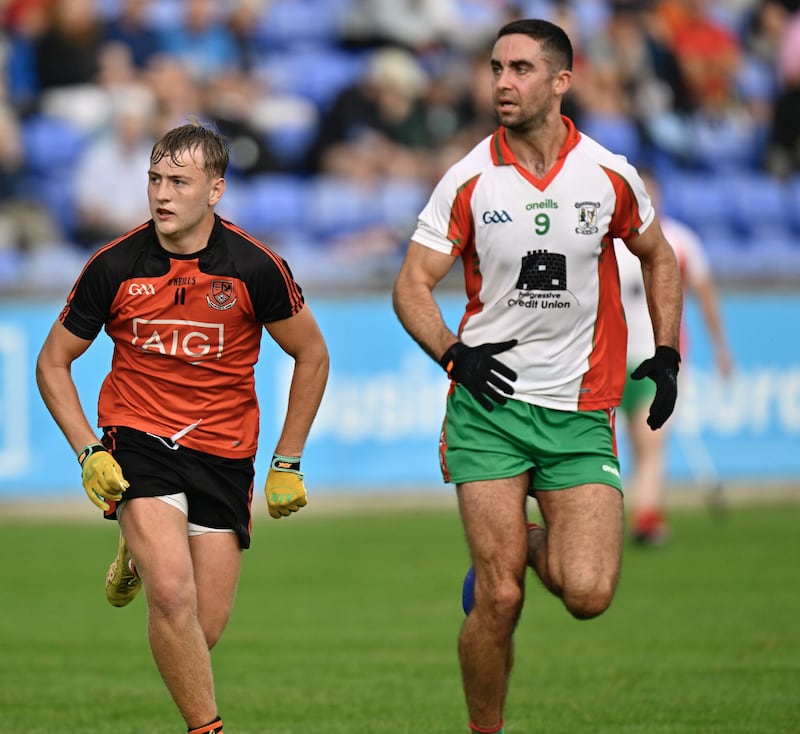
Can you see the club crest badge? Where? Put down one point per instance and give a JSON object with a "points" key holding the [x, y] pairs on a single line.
{"points": [[221, 297], [587, 216]]}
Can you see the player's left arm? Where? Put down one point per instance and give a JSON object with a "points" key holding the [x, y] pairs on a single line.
{"points": [[662, 283], [663, 288], [300, 337]]}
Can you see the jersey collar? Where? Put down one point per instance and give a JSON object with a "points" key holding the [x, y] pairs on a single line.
{"points": [[502, 154]]}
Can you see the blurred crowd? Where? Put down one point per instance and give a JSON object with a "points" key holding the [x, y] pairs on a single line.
{"points": [[342, 114]]}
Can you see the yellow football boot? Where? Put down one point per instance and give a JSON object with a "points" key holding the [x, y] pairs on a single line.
{"points": [[122, 581]]}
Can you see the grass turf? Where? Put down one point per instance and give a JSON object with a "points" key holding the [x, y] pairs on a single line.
{"points": [[348, 624]]}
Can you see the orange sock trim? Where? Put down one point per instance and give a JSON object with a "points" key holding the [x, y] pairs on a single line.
{"points": [[213, 727], [493, 730]]}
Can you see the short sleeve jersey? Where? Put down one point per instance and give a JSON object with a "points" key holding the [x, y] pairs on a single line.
{"points": [[539, 263], [186, 331], [694, 266]]}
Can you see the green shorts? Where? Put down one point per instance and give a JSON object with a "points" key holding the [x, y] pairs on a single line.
{"points": [[637, 393], [560, 448]]}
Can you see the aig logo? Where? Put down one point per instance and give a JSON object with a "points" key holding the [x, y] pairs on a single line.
{"points": [[192, 341], [496, 217], [141, 289]]}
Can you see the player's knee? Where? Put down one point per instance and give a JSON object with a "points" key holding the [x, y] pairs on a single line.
{"points": [[502, 600], [588, 601], [170, 601]]}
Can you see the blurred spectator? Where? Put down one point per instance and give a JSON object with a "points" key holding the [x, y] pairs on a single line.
{"points": [[67, 53], [459, 109], [707, 52], [109, 174], [68, 63], [27, 228], [417, 25], [131, 26], [231, 101], [378, 126], [723, 131], [243, 22], [630, 88], [177, 96], [116, 65], [665, 81], [202, 41], [24, 22], [783, 157]]}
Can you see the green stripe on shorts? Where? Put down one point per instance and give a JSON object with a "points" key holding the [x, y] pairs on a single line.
{"points": [[560, 448]]}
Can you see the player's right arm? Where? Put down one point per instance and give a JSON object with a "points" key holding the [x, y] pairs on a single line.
{"points": [[57, 388], [474, 367], [101, 475], [413, 299]]}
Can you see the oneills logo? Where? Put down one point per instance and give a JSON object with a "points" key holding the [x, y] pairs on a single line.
{"points": [[221, 297]]}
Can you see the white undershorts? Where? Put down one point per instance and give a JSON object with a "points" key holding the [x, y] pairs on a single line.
{"points": [[180, 501]]}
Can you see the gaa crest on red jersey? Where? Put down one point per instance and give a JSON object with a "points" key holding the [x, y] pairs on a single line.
{"points": [[221, 297]]}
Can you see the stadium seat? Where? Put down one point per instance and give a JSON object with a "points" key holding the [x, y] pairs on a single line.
{"points": [[730, 254], [287, 23], [401, 201], [756, 200], [617, 133], [267, 204], [777, 251], [50, 144], [316, 73], [339, 206], [793, 209], [699, 200]]}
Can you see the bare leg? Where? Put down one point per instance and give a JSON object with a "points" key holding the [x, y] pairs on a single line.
{"points": [[217, 560], [578, 555], [647, 481], [493, 514], [156, 534]]}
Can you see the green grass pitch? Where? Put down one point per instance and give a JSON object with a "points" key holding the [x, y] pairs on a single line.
{"points": [[347, 623]]}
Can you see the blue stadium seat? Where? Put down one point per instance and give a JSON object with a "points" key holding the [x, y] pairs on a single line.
{"points": [[699, 200], [316, 73], [290, 143], [616, 132], [757, 200], [267, 204], [287, 23], [339, 206], [50, 144], [793, 194], [401, 201], [776, 252], [730, 254]]}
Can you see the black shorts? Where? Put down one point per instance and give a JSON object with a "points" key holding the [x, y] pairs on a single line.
{"points": [[219, 490]]}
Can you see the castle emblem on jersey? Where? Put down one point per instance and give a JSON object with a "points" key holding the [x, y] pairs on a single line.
{"points": [[542, 282], [587, 216], [221, 297], [543, 271]]}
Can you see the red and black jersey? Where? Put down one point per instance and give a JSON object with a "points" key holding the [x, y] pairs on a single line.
{"points": [[186, 331]]}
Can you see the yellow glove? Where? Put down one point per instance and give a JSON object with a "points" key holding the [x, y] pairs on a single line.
{"points": [[101, 475], [284, 488]]}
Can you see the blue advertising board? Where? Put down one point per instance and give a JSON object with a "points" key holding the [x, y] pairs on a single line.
{"points": [[378, 426]]}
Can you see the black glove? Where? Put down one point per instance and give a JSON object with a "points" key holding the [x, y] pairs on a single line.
{"points": [[476, 369], [661, 368]]}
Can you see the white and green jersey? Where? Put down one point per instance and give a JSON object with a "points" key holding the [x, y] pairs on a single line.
{"points": [[539, 263]]}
